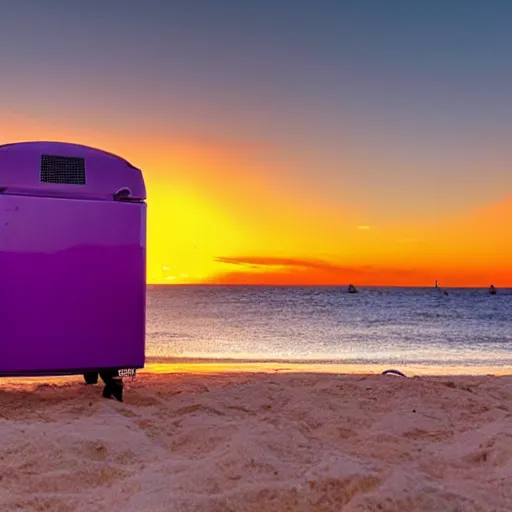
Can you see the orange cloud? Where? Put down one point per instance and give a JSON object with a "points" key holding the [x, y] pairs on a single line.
{"points": [[273, 262], [309, 272]]}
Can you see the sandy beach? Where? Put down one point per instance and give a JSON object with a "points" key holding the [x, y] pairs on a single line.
{"points": [[258, 441]]}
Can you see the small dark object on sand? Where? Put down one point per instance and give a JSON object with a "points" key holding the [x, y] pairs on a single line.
{"points": [[91, 378], [113, 385], [393, 372], [114, 388]]}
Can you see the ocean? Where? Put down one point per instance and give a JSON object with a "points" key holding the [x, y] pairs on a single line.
{"points": [[387, 326]]}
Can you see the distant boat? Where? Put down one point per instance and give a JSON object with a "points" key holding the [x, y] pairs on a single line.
{"points": [[492, 290], [352, 289], [443, 291]]}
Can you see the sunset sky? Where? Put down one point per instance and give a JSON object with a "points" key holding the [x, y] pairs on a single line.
{"points": [[286, 142]]}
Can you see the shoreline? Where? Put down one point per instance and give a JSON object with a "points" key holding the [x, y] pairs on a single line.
{"points": [[231, 368], [163, 365]]}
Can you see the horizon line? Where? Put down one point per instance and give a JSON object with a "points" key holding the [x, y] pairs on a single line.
{"points": [[253, 285]]}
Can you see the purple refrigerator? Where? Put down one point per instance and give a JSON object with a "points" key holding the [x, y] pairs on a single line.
{"points": [[72, 261]]}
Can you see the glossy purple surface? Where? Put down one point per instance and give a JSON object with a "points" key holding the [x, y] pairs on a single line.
{"points": [[72, 265]]}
